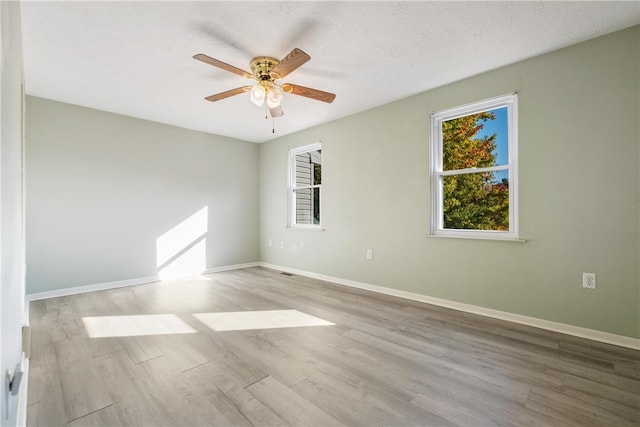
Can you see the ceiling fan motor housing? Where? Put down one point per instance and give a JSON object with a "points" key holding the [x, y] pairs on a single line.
{"points": [[262, 67]]}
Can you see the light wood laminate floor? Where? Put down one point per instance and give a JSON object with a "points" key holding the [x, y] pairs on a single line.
{"points": [[384, 361]]}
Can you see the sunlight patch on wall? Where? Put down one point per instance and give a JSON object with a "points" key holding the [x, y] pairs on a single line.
{"points": [[134, 326], [182, 251], [268, 319], [191, 261]]}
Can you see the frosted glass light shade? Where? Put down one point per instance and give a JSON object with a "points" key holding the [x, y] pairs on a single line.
{"points": [[274, 96], [257, 95]]}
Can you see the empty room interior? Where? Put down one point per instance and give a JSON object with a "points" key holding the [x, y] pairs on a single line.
{"points": [[320, 213]]}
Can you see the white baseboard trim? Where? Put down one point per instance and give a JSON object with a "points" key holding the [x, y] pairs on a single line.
{"points": [[90, 288], [231, 267], [121, 283], [605, 337]]}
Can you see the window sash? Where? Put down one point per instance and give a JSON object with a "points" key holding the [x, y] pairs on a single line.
{"points": [[473, 170], [292, 220], [306, 187]]}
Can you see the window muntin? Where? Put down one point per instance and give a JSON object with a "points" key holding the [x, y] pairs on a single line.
{"points": [[305, 183], [474, 170]]}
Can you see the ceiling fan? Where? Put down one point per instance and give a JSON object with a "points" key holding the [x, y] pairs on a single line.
{"points": [[266, 71]]}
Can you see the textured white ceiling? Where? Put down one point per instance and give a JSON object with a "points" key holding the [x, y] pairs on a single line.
{"points": [[135, 58]]}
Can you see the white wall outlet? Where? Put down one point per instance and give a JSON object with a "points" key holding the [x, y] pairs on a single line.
{"points": [[369, 253], [281, 245], [270, 242], [589, 280]]}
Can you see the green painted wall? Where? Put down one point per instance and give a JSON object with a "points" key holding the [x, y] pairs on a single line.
{"points": [[579, 184], [101, 188]]}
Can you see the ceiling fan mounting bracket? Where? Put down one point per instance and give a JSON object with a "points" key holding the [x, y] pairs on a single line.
{"points": [[262, 67]]}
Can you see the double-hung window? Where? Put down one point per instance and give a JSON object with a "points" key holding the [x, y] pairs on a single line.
{"points": [[305, 181], [474, 170]]}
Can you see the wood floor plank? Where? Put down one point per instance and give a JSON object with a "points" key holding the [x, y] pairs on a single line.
{"points": [[490, 378], [39, 317], [133, 402], [63, 323], [571, 410], [603, 390], [194, 403], [141, 349], [235, 395], [196, 409], [628, 368], [289, 405], [266, 356], [45, 402], [385, 361], [102, 417], [103, 346], [82, 387], [236, 364], [451, 410], [326, 352], [176, 357], [530, 374], [362, 405], [618, 415]]}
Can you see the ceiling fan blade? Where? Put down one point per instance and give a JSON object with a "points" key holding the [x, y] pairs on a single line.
{"points": [[276, 111], [309, 93], [216, 63], [228, 93], [289, 63]]}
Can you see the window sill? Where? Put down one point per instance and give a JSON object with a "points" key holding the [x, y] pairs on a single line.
{"points": [[490, 239], [297, 227]]}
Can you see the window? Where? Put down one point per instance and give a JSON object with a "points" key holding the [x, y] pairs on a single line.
{"points": [[305, 180], [474, 170]]}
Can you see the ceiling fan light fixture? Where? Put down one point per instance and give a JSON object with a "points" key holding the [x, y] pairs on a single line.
{"points": [[257, 95], [265, 70], [274, 96]]}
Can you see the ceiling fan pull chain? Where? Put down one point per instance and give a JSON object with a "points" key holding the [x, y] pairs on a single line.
{"points": [[273, 125]]}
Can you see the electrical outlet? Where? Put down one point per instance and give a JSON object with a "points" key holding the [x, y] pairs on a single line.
{"points": [[589, 280], [270, 243], [369, 253]]}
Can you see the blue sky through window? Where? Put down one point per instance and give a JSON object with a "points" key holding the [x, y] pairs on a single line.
{"points": [[499, 126]]}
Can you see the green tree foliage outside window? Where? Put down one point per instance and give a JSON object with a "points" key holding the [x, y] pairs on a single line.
{"points": [[472, 201]]}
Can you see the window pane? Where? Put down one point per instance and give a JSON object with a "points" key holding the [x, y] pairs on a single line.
{"points": [[316, 206], [317, 174], [308, 168], [476, 201], [303, 170], [476, 140], [307, 206]]}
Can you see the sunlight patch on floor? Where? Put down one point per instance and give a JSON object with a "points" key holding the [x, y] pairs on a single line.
{"points": [[268, 319], [133, 326]]}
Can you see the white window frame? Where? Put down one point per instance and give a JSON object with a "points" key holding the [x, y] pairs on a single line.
{"points": [[437, 174], [291, 184]]}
